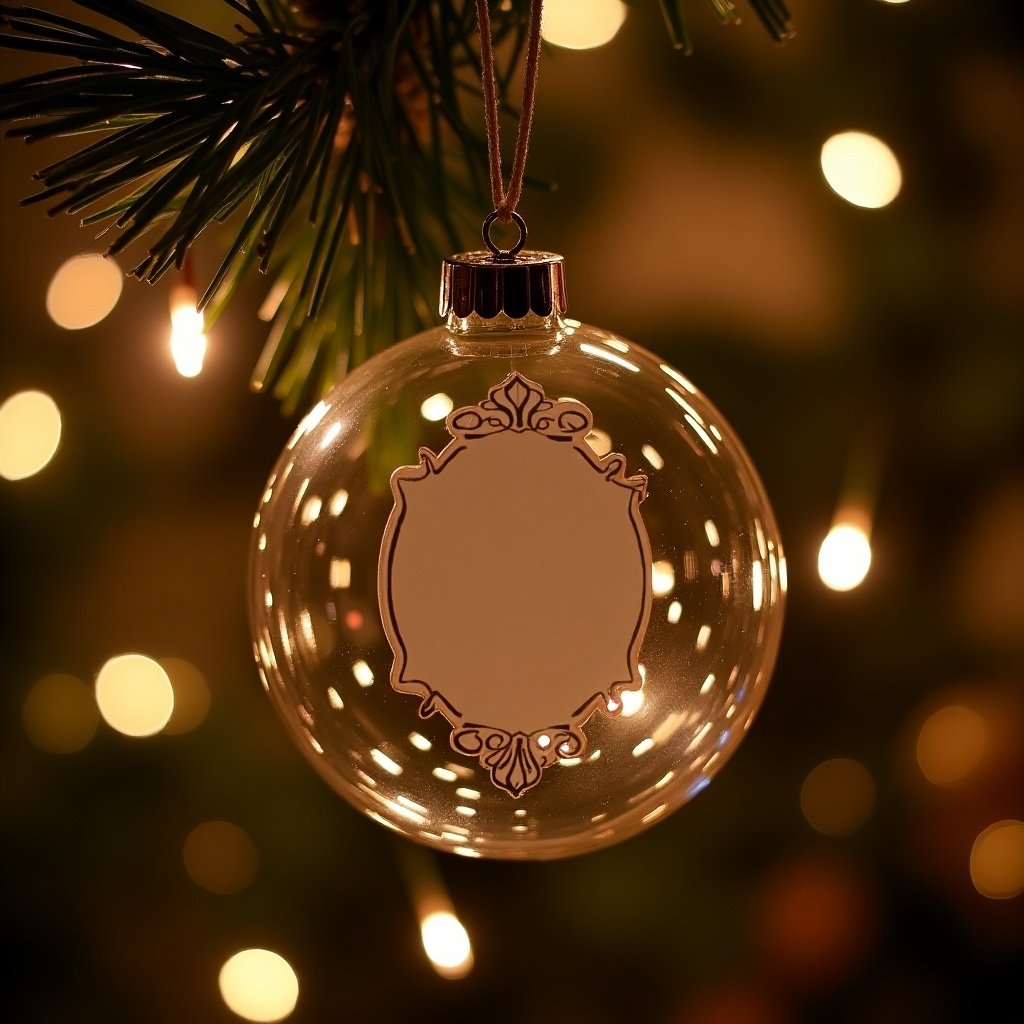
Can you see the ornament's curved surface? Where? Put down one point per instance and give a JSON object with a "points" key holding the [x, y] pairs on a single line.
{"points": [[515, 581]]}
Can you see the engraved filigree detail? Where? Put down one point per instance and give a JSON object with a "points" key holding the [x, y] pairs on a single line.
{"points": [[518, 404], [516, 761]]}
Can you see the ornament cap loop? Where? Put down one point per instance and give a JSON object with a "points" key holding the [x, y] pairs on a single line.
{"points": [[496, 252], [519, 285]]}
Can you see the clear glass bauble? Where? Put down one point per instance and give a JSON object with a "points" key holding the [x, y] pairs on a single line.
{"points": [[719, 580]]}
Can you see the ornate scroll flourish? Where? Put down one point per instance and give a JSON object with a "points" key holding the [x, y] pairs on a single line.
{"points": [[516, 758]]}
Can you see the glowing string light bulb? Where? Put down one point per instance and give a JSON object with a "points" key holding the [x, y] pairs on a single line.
{"points": [[188, 337], [845, 554], [576, 26], [446, 943]]}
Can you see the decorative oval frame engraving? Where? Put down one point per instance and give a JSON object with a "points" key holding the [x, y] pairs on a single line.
{"points": [[515, 581]]}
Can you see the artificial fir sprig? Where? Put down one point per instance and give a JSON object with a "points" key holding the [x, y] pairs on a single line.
{"points": [[333, 135]]}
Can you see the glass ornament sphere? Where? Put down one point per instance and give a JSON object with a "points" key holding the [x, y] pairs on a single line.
{"points": [[717, 593]]}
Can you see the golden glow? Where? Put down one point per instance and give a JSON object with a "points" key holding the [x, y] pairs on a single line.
{"points": [[837, 796], [675, 612], [191, 695], [632, 702], [578, 26], [436, 407], [188, 332], [341, 573], [861, 169], [653, 456], [59, 714], [997, 860], [950, 744], [83, 291], [220, 857], [339, 499], [363, 673], [134, 695], [385, 762], [609, 357], [663, 578], [446, 943], [30, 429], [259, 985], [844, 556]]}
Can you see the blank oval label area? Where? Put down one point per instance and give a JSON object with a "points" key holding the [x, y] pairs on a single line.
{"points": [[515, 581]]}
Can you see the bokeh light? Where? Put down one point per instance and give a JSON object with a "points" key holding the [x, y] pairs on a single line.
{"points": [[815, 923], [997, 860], [83, 291], [188, 332], [578, 26], [844, 557], [861, 169], [59, 714], [950, 744], [220, 857], [134, 695], [30, 428], [837, 796], [436, 407], [191, 695], [446, 943], [259, 985]]}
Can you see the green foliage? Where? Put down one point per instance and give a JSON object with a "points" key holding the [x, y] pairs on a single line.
{"points": [[336, 142]]}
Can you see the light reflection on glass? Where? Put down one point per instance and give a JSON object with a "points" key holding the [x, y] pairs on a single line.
{"points": [[363, 673], [340, 574], [703, 635], [643, 746], [445, 774], [610, 357], [632, 702], [419, 742], [339, 499], [656, 813], [334, 699], [757, 586], [675, 612], [466, 812], [707, 684], [678, 378], [701, 433], [385, 762], [711, 531], [330, 435], [683, 404], [653, 456], [663, 578]]}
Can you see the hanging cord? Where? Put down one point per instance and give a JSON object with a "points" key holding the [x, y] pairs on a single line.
{"points": [[506, 199]]}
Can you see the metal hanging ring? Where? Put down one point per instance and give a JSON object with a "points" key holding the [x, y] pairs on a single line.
{"points": [[504, 254]]}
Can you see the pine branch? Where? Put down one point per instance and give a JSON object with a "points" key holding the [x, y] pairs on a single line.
{"points": [[336, 142]]}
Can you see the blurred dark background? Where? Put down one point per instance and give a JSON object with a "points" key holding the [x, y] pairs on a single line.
{"points": [[861, 858]]}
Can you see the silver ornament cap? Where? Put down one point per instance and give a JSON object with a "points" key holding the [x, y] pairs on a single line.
{"points": [[515, 282]]}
